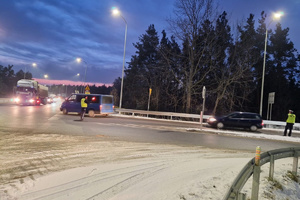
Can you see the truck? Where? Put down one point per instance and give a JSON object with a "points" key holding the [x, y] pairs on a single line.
{"points": [[30, 92]]}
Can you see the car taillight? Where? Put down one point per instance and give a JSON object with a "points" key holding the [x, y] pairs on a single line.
{"points": [[262, 122], [100, 108], [38, 101]]}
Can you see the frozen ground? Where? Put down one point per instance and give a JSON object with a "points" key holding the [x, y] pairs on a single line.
{"points": [[49, 166]]}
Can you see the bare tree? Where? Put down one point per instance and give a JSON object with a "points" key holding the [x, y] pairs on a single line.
{"points": [[191, 16]]}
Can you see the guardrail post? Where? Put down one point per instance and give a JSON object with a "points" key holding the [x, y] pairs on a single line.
{"points": [[295, 163], [241, 196], [255, 183], [271, 171]]}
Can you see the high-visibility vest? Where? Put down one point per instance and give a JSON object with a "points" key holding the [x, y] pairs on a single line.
{"points": [[83, 104], [291, 118]]}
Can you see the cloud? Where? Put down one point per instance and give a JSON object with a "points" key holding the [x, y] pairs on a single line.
{"points": [[53, 33]]}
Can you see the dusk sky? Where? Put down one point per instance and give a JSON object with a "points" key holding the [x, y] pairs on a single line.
{"points": [[53, 33]]}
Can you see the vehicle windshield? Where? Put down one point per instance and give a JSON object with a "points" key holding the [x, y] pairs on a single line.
{"points": [[24, 89]]}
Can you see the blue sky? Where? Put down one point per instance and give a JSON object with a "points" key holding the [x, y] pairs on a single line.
{"points": [[53, 33]]}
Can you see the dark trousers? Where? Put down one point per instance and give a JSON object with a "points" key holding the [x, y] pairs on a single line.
{"points": [[290, 127], [83, 110]]}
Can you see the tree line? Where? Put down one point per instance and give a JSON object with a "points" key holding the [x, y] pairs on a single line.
{"points": [[204, 50], [9, 79]]}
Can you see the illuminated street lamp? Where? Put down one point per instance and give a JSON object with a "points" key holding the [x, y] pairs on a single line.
{"points": [[79, 61], [46, 76], [33, 65], [275, 16], [116, 12]]}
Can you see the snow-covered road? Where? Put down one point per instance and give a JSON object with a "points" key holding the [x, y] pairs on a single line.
{"points": [[52, 166]]}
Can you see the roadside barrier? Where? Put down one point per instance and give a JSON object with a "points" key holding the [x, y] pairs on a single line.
{"points": [[192, 117], [6, 100], [253, 168]]}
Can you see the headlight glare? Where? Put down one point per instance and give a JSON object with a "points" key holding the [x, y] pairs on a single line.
{"points": [[212, 119]]}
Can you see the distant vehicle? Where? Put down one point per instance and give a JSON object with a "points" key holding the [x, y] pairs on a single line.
{"points": [[30, 92], [98, 104], [50, 100], [253, 121]]}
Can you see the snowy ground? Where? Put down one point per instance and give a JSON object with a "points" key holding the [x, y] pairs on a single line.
{"points": [[50, 166]]}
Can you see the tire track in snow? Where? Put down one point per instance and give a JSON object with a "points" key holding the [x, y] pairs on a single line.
{"points": [[107, 184]]}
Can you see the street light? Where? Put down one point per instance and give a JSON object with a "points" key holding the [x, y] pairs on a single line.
{"points": [[275, 16], [33, 65], [79, 61], [46, 76], [117, 12]]}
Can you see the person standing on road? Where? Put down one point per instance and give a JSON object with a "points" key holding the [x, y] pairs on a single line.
{"points": [[290, 123], [84, 104]]}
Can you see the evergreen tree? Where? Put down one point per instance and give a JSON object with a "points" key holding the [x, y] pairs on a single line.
{"points": [[143, 70], [7, 77], [282, 72]]}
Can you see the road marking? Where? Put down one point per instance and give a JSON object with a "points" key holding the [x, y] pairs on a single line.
{"points": [[144, 126]]}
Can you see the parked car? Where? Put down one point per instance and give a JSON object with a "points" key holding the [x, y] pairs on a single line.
{"points": [[253, 121]]}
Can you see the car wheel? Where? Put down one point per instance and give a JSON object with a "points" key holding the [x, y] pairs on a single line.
{"points": [[220, 125], [253, 128], [65, 111], [91, 113]]}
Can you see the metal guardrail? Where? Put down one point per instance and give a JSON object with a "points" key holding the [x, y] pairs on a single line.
{"points": [[193, 117], [170, 115], [270, 156], [6, 100]]}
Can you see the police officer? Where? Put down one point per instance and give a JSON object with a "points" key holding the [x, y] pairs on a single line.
{"points": [[84, 105], [290, 123]]}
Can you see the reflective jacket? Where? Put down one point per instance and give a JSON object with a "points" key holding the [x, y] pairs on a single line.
{"points": [[83, 103], [291, 118]]}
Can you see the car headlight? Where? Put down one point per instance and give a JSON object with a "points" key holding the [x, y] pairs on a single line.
{"points": [[212, 119], [31, 100], [17, 99]]}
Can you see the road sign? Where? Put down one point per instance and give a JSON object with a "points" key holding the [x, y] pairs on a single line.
{"points": [[87, 90], [271, 99], [203, 92]]}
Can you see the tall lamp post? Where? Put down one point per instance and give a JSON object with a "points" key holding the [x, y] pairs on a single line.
{"points": [[79, 60], [117, 12], [275, 16], [33, 65]]}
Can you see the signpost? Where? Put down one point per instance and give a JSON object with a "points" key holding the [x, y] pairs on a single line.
{"points": [[271, 101], [203, 106], [150, 91], [87, 90]]}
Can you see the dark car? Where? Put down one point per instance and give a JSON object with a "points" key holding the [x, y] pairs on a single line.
{"points": [[253, 121]]}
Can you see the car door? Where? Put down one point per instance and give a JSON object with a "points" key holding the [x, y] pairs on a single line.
{"points": [[73, 103], [232, 120], [245, 120]]}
